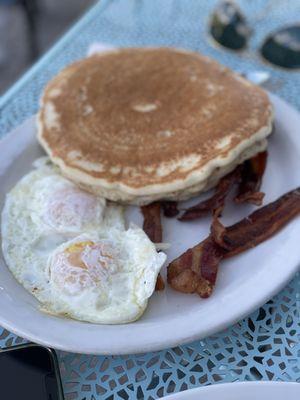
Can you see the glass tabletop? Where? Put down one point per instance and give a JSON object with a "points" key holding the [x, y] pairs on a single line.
{"points": [[264, 346]]}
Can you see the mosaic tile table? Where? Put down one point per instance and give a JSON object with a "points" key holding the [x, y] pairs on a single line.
{"points": [[265, 346]]}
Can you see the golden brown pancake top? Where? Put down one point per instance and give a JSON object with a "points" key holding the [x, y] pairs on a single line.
{"points": [[143, 117]]}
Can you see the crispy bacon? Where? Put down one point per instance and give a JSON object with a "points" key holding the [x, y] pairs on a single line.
{"points": [[248, 176], [217, 230], [153, 228], [217, 201], [195, 271], [152, 222], [258, 226], [160, 284], [252, 173], [170, 209]]}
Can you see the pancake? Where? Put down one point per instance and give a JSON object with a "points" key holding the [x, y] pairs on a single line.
{"points": [[140, 124]]}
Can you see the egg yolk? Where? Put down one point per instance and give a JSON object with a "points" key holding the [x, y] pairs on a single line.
{"points": [[71, 208], [83, 265]]}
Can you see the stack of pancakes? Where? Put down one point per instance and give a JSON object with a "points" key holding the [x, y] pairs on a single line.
{"points": [[137, 125]]}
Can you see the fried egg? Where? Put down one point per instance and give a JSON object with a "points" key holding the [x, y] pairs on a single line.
{"points": [[72, 251]]}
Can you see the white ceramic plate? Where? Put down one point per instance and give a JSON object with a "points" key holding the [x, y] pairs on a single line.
{"points": [[242, 391], [244, 283]]}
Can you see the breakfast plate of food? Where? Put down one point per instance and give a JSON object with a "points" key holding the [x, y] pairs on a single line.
{"points": [[151, 202], [241, 390]]}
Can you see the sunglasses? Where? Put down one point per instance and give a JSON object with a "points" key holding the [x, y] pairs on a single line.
{"points": [[229, 28]]}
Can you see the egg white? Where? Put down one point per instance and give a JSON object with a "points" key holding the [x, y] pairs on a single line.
{"points": [[31, 240], [122, 295]]}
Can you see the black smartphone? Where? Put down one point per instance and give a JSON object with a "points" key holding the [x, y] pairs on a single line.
{"points": [[29, 372]]}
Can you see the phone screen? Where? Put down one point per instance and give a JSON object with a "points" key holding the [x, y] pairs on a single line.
{"points": [[28, 373]]}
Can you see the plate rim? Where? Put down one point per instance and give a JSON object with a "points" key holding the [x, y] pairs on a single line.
{"points": [[184, 395]]}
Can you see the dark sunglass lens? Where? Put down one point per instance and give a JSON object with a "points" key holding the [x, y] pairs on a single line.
{"points": [[283, 47], [229, 27]]}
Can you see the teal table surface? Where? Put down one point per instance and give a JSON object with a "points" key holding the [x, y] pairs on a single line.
{"points": [[264, 346]]}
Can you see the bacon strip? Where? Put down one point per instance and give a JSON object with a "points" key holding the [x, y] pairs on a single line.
{"points": [[195, 271], [160, 284], [152, 222], [252, 174], [170, 209], [258, 226], [217, 201], [153, 228], [248, 175]]}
